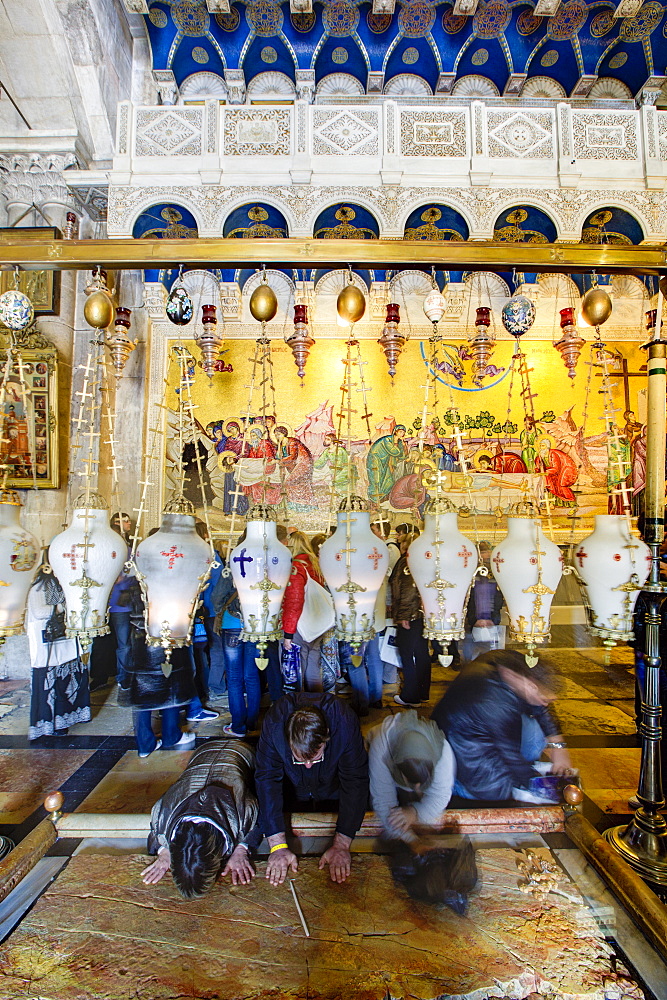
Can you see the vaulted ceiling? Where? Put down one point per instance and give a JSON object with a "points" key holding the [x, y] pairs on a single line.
{"points": [[422, 47]]}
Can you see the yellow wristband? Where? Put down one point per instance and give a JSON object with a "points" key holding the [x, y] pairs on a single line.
{"points": [[277, 847]]}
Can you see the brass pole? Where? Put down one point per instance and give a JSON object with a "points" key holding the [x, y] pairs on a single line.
{"points": [[643, 842]]}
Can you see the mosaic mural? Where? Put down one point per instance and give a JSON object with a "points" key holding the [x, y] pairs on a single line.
{"points": [[299, 458]]}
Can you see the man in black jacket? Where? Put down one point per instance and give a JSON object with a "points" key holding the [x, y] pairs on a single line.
{"points": [[496, 720], [313, 741]]}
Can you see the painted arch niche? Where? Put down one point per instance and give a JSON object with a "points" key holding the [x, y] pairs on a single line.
{"points": [[436, 222], [524, 224], [346, 221], [255, 220], [612, 226], [164, 222]]}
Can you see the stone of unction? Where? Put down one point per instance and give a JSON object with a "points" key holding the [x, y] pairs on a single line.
{"points": [[98, 932]]}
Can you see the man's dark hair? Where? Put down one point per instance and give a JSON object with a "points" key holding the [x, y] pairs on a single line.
{"points": [[306, 730], [416, 772], [404, 529], [197, 856], [543, 673]]}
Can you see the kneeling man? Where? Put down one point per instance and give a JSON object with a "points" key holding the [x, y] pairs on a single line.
{"points": [[205, 823], [314, 742]]}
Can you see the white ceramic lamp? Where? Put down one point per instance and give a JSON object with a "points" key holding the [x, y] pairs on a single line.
{"points": [[86, 559], [613, 565], [172, 567], [442, 562], [261, 567], [19, 556], [354, 563], [527, 567]]}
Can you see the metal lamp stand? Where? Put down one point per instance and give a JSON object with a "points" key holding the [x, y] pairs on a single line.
{"points": [[643, 842]]}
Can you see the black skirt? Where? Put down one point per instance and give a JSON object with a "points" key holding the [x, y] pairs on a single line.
{"points": [[60, 698]]}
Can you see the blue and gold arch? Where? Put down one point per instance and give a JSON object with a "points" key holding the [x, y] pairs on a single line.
{"points": [[164, 222], [611, 226], [579, 39], [436, 222], [346, 221], [255, 221], [524, 224]]}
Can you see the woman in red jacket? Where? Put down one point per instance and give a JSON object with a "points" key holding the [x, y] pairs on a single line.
{"points": [[304, 564]]}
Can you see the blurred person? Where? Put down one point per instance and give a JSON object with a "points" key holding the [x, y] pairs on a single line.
{"points": [[483, 612], [412, 771], [110, 653], [329, 659], [149, 690], [408, 616], [206, 644], [496, 718], [205, 824], [311, 742], [59, 695], [304, 564]]}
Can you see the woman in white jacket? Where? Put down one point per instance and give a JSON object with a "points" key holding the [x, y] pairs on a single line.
{"points": [[412, 772]]}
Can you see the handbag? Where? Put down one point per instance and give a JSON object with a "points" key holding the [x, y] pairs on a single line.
{"points": [[388, 650], [317, 615], [55, 626], [290, 665]]}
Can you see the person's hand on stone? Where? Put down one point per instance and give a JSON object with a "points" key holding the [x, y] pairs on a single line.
{"points": [[239, 866], [401, 819], [279, 863], [560, 761], [338, 858], [159, 868]]}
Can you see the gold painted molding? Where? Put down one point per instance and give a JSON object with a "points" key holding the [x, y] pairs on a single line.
{"points": [[293, 252]]}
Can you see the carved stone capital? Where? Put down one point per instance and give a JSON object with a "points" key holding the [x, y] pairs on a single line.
{"points": [[167, 88], [305, 85], [235, 81], [36, 179]]}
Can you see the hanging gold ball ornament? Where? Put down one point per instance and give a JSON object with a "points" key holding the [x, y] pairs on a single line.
{"points": [[98, 310], [263, 303], [596, 306], [351, 304]]}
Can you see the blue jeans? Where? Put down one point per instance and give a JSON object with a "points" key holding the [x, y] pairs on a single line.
{"points": [[120, 626], [366, 679], [242, 680], [143, 730], [533, 742]]}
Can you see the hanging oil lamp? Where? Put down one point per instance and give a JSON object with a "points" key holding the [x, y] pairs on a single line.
{"points": [[443, 563], [209, 341], [98, 308], [518, 315], [351, 303], [260, 567], [173, 566], [119, 344], [434, 306], [392, 340], [354, 564], [570, 343], [614, 567], [179, 308], [596, 306], [300, 340], [87, 558], [527, 567], [482, 343]]}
